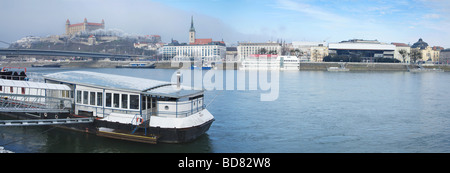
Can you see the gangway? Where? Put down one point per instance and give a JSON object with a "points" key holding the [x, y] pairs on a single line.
{"points": [[41, 122], [34, 97]]}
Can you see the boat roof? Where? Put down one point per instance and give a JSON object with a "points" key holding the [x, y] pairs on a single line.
{"points": [[127, 83], [36, 85]]}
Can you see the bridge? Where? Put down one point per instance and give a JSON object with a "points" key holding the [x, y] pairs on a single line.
{"points": [[17, 52]]}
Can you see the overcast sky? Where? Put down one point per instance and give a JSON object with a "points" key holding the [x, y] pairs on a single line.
{"points": [[238, 20]]}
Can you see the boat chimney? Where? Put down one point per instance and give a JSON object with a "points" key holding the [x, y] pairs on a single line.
{"points": [[178, 79]]}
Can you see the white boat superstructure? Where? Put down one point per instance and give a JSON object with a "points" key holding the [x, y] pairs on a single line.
{"points": [[289, 63]]}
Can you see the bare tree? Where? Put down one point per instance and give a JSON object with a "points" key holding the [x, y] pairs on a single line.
{"points": [[404, 53], [415, 55], [262, 51]]}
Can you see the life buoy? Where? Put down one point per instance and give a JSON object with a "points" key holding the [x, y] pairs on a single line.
{"points": [[139, 120]]}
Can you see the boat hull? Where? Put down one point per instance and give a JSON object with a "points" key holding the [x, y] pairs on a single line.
{"points": [[175, 135], [122, 131]]}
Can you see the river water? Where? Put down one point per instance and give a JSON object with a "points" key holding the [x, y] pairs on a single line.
{"points": [[316, 111]]}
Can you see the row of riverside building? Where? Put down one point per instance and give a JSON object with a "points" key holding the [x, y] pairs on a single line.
{"points": [[366, 50]]}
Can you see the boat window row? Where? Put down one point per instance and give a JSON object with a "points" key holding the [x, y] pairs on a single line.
{"points": [[11, 89], [34, 91], [112, 100]]}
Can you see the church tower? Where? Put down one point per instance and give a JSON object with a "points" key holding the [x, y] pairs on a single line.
{"points": [[192, 31], [67, 27]]}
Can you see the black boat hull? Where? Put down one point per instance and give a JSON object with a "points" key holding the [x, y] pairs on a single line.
{"points": [[124, 131]]}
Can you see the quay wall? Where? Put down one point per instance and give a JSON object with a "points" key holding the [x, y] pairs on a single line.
{"points": [[304, 66]]}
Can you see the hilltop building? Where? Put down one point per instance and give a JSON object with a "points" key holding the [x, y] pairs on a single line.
{"points": [[72, 29]]}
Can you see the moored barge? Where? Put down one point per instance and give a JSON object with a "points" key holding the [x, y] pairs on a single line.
{"points": [[127, 108]]}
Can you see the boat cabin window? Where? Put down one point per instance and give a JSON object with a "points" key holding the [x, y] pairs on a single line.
{"points": [[65, 94], [78, 96], [125, 101], [148, 102], [85, 97], [144, 102], [99, 98], [108, 99], [134, 101], [116, 100], [92, 98]]}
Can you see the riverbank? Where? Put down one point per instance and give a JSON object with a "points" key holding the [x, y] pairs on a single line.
{"points": [[304, 66]]}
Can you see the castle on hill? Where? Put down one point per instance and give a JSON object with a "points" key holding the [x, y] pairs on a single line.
{"points": [[72, 29]]}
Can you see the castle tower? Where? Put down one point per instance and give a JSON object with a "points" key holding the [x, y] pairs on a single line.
{"points": [[67, 27], [192, 31]]}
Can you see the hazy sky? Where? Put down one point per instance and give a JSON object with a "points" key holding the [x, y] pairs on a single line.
{"points": [[238, 20]]}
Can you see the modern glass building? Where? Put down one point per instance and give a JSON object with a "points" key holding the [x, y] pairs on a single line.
{"points": [[367, 50]]}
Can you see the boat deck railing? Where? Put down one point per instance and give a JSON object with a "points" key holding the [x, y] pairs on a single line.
{"points": [[13, 77], [178, 114]]}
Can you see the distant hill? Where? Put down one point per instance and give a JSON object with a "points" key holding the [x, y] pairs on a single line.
{"points": [[97, 41]]}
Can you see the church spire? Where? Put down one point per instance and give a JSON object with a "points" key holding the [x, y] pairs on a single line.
{"points": [[192, 25]]}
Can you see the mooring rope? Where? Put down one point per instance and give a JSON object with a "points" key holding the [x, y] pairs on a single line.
{"points": [[214, 98]]}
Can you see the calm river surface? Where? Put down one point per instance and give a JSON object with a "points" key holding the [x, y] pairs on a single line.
{"points": [[316, 111]]}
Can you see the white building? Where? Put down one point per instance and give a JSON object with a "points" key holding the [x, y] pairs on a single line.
{"points": [[244, 50], [397, 55], [194, 52], [313, 51]]}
